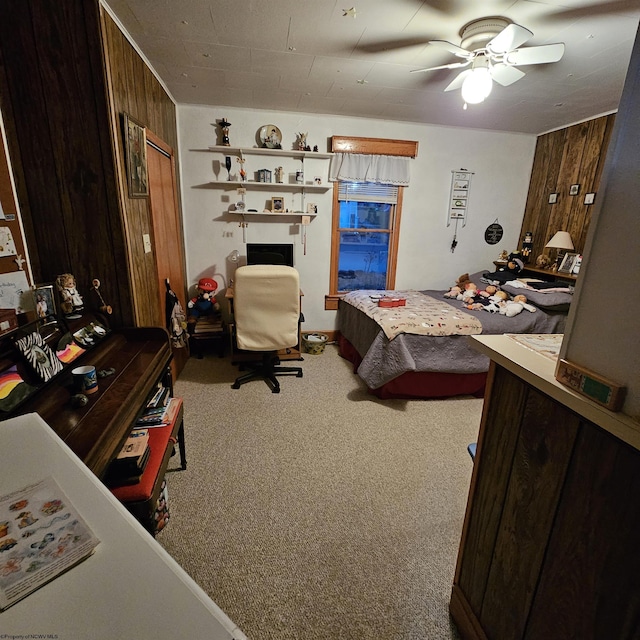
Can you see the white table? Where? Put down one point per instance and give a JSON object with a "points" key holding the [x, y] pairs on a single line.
{"points": [[129, 588]]}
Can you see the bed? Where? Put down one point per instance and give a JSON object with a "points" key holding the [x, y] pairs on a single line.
{"points": [[430, 366]]}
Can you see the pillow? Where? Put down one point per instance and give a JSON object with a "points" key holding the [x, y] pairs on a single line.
{"points": [[546, 300]]}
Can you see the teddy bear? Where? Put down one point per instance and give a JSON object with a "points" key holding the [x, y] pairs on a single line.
{"points": [[542, 261], [458, 287], [506, 272], [204, 304], [513, 307]]}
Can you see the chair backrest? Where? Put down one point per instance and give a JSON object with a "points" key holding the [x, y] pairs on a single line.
{"points": [[266, 307]]}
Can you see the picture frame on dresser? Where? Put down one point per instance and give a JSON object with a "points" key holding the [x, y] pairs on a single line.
{"points": [[135, 143], [568, 262], [45, 301]]}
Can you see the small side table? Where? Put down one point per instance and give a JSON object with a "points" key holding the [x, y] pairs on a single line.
{"points": [[206, 330]]}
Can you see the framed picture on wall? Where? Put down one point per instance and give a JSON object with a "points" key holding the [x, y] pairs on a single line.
{"points": [[136, 157]]}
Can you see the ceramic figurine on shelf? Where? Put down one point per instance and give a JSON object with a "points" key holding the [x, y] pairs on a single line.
{"points": [[279, 175], [227, 164], [224, 125], [72, 302], [302, 141]]}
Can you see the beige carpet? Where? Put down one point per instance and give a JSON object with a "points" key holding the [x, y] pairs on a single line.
{"points": [[320, 512]]}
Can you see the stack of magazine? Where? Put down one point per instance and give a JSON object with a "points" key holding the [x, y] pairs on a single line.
{"points": [[160, 410], [130, 463]]}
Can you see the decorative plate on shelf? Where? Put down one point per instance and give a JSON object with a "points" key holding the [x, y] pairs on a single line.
{"points": [[271, 137]]}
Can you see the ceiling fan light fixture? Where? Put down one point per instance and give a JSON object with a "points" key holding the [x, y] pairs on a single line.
{"points": [[477, 86]]}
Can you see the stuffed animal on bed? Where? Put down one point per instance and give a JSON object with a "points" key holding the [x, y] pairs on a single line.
{"points": [[505, 272], [454, 292], [469, 293], [513, 307], [496, 301], [458, 287]]}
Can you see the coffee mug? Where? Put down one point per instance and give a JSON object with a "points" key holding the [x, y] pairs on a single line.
{"points": [[85, 379]]}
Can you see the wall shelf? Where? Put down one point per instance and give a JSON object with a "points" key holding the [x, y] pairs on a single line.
{"points": [[299, 190], [274, 187], [266, 214], [259, 151]]}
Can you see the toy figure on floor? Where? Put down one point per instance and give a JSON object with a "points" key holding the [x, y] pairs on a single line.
{"points": [[204, 304], [507, 272]]}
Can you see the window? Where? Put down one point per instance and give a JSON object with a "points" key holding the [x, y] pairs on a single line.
{"points": [[369, 175], [366, 222]]}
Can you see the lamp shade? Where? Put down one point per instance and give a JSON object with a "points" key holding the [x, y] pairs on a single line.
{"points": [[561, 240]]}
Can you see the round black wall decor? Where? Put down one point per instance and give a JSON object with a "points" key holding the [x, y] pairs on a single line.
{"points": [[494, 233]]}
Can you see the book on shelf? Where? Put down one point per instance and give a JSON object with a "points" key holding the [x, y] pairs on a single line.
{"points": [[159, 416], [42, 536], [159, 399]]}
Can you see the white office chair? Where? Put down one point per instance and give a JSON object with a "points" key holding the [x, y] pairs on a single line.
{"points": [[266, 309]]}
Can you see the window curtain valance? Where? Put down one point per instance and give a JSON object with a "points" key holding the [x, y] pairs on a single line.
{"points": [[357, 167]]}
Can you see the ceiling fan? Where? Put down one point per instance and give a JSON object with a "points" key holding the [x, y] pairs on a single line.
{"points": [[490, 46]]}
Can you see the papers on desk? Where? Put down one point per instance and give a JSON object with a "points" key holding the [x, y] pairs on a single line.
{"points": [[41, 537]]}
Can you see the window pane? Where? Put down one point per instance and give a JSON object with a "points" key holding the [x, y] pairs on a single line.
{"points": [[364, 215], [363, 261]]}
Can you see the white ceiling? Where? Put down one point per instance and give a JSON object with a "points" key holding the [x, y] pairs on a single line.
{"points": [[308, 56]]}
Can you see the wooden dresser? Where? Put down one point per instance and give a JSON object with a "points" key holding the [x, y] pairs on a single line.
{"points": [[549, 544], [140, 359]]}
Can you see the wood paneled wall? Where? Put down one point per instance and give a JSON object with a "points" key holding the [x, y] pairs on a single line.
{"points": [[54, 102], [574, 155], [66, 75], [135, 90]]}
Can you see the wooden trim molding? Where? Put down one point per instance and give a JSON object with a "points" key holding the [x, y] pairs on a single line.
{"points": [[463, 616], [378, 146]]}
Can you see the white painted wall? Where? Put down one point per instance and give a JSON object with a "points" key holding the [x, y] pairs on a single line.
{"points": [[501, 162]]}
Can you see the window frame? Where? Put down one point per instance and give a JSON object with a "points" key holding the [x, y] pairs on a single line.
{"points": [[394, 234], [374, 146]]}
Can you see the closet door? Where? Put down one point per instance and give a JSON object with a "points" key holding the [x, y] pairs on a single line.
{"points": [[166, 239]]}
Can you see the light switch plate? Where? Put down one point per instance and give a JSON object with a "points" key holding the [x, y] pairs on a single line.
{"points": [[146, 240]]}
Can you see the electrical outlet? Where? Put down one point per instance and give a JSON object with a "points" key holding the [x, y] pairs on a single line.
{"points": [[146, 240]]}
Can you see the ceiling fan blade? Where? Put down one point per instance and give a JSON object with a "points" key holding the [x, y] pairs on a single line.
{"points": [[536, 55], [456, 83], [453, 65], [453, 48], [505, 74], [511, 37]]}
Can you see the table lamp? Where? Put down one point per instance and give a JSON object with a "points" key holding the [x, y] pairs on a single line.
{"points": [[561, 240]]}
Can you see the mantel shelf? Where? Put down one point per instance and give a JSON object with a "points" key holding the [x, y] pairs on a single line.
{"points": [[259, 151], [274, 187]]}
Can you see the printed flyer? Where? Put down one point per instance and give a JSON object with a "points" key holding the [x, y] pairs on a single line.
{"points": [[41, 537]]}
